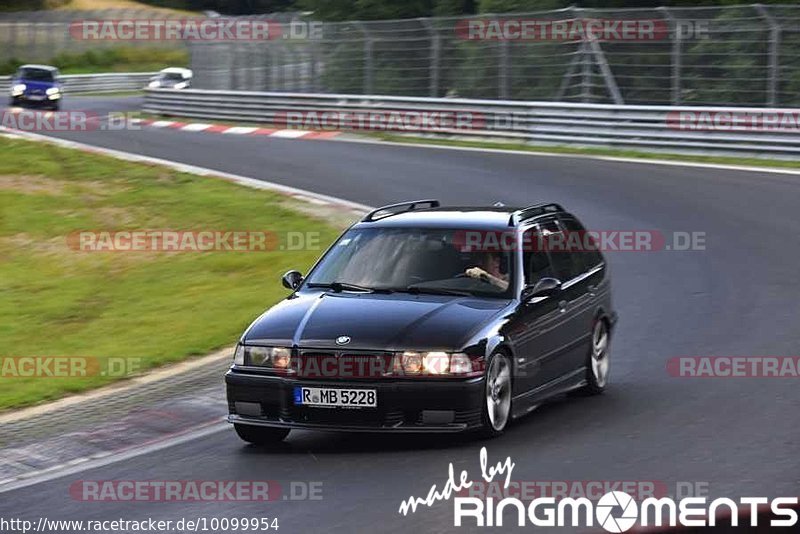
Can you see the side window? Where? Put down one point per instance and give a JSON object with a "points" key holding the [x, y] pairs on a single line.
{"points": [[565, 265], [534, 258], [581, 245]]}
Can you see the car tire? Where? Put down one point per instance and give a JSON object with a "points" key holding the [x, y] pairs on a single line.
{"points": [[56, 107], [498, 393], [261, 435], [597, 363]]}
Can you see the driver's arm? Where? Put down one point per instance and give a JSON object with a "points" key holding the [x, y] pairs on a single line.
{"points": [[477, 272]]}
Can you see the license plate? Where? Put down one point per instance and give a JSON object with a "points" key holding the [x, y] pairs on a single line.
{"points": [[350, 398], [36, 97]]}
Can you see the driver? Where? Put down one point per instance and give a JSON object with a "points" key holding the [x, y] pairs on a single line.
{"points": [[490, 271]]}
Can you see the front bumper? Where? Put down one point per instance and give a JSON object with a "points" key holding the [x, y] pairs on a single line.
{"points": [[404, 405], [35, 100]]}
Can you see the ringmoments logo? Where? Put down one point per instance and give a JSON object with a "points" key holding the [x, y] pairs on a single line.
{"points": [[615, 511]]}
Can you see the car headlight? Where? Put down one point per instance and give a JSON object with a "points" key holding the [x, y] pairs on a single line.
{"points": [[270, 357], [53, 93], [154, 84], [411, 363], [18, 89], [436, 363], [461, 364]]}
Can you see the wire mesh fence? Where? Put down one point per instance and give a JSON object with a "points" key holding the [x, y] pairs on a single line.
{"points": [[731, 55], [741, 55]]}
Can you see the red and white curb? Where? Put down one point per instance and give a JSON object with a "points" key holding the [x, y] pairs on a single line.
{"points": [[239, 130]]}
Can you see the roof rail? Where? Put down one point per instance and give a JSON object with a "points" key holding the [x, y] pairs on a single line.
{"points": [[394, 209], [533, 211]]}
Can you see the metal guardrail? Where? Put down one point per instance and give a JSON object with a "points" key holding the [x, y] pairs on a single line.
{"points": [[654, 128], [96, 83]]}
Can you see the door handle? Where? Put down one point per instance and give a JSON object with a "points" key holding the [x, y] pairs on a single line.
{"points": [[562, 306]]}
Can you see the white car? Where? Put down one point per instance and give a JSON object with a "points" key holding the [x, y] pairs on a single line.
{"points": [[172, 78]]}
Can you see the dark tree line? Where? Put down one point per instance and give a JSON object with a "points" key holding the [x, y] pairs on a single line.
{"points": [[336, 10]]}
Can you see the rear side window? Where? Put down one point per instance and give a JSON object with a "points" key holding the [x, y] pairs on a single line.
{"points": [[581, 245], [535, 259]]}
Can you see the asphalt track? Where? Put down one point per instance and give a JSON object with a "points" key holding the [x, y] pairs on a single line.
{"points": [[738, 297]]}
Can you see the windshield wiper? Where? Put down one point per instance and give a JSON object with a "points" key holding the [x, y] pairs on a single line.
{"points": [[344, 286], [437, 291]]}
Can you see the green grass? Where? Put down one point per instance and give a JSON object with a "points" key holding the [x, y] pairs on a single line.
{"points": [[160, 307], [112, 59]]}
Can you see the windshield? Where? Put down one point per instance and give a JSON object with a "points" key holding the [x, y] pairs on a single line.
{"points": [[413, 259], [36, 75], [171, 76]]}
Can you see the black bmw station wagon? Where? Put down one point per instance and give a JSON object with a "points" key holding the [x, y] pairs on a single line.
{"points": [[423, 318]]}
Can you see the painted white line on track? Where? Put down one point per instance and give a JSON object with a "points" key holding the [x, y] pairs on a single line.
{"points": [[117, 389], [640, 161], [78, 465], [192, 169], [84, 464], [312, 200], [161, 124], [200, 431]]}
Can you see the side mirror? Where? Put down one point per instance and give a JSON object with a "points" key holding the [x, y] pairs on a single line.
{"points": [[292, 279], [546, 287]]}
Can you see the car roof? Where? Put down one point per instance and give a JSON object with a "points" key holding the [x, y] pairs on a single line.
{"points": [[493, 217], [34, 66], [177, 70]]}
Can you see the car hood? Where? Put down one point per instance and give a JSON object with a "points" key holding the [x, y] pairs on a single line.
{"points": [[374, 321]]}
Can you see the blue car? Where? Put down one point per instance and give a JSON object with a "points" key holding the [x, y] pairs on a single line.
{"points": [[36, 85]]}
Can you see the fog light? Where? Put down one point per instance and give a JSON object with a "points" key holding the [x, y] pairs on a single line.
{"points": [[248, 408]]}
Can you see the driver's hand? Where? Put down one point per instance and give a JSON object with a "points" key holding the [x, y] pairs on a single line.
{"points": [[476, 272]]}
